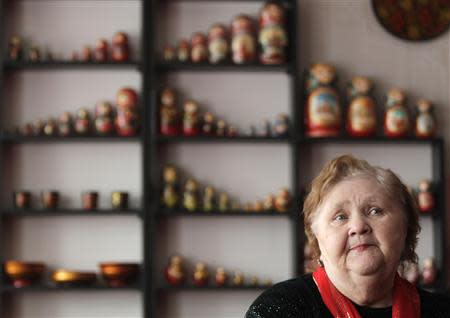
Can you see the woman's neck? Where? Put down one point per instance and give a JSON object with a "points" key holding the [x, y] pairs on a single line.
{"points": [[374, 291]]}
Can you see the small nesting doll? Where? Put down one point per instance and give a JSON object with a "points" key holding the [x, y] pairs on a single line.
{"points": [[259, 206], [65, 124], [221, 277], [429, 271], [199, 51], [38, 127], [127, 119], [272, 33], [190, 195], [201, 275], [15, 49], [243, 43], [238, 279], [169, 53], [208, 127], [265, 129], [232, 131], [425, 120], [101, 51], [169, 115], [170, 196], [396, 117], [425, 197], [120, 51], [361, 113], [34, 53], [281, 126], [221, 127], [82, 122], [51, 127], [254, 281], [209, 200], [183, 51], [224, 202], [283, 201], [190, 118], [86, 53], [218, 46], [323, 109], [174, 271], [269, 202], [104, 118]]}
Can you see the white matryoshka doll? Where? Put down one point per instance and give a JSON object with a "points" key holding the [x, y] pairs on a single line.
{"points": [[243, 43], [361, 113], [322, 109], [425, 121], [396, 117]]}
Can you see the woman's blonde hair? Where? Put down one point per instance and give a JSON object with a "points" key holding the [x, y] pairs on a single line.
{"points": [[345, 167]]}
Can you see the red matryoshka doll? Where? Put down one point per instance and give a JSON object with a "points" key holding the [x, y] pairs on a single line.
{"points": [[15, 49], [425, 197], [361, 113], [82, 122], [104, 118], [101, 50], [190, 119], [127, 120], [243, 43], [120, 48], [86, 53], [183, 51], [218, 46], [221, 277], [199, 51], [425, 121], [429, 271], [272, 33], [174, 271], [169, 116], [283, 201], [323, 109], [201, 275], [396, 117]]}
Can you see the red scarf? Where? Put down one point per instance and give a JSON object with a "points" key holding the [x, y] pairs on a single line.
{"points": [[406, 302]]}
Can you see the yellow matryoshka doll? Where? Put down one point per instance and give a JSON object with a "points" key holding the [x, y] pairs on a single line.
{"points": [[322, 109]]}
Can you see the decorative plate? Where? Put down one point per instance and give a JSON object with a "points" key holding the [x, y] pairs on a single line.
{"points": [[413, 20]]}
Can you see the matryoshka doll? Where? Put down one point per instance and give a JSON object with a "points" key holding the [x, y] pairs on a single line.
{"points": [[425, 121], [238, 279], [361, 113], [120, 51], [269, 202], [190, 118], [224, 202], [104, 118], [209, 202], [272, 33], [86, 53], [201, 275], [396, 117], [51, 127], [127, 119], [190, 195], [174, 271], [208, 127], [243, 43], [170, 196], [169, 116], [283, 201], [425, 197], [323, 109], [221, 277], [199, 51], [65, 124], [429, 271], [218, 46], [281, 127], [15, 49], [101, 50], [82, 122], [169, 53], [183, 51]]}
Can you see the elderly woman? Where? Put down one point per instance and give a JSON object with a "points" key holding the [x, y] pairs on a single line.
{"points": [[361, 223]]}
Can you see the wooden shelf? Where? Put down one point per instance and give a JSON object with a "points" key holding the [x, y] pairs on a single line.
{"points": [[369, 140], [68, 212], [225, 139], [59, 139], [168, 288], [183, 213], [222, 67], [56, 288], [67, 65]]}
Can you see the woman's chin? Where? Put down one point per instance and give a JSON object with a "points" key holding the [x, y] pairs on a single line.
{"points": [[365, 264]]}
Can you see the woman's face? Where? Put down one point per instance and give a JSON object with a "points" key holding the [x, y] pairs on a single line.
{"points": [[360, 229]]}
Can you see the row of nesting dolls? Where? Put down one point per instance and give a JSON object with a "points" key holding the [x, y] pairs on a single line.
{"points": [[282, 202], [175, 274], [122, 120], [216, 47], [193, 125], [119, 51], [323, 108]]}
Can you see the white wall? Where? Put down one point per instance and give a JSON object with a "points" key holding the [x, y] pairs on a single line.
{"points": [[341, 32]]}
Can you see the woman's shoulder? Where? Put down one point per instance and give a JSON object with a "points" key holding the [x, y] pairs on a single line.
{"points": [[291, 298], [434, 305]]}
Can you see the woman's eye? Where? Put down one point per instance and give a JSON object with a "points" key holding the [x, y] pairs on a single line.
{"points": [[374, 211], [339, 217]]}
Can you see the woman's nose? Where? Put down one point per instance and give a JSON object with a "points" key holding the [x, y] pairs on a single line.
{"points": [[358, 226]]}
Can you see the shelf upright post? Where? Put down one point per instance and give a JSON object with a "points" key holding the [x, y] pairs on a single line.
{"points": [[147, 16], [292, 28], [439, 221], [2, 98]]}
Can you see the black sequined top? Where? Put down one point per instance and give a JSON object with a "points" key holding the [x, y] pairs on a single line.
{"points": [[300, 298]]}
